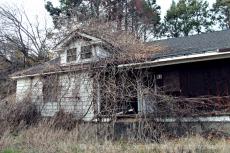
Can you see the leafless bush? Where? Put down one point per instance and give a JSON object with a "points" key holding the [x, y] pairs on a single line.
{"points": [[14, 116], [63, 120], [24, 112]]}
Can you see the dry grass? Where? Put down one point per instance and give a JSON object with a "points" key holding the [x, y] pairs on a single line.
{"points": [[43, 139], [62, 135]]}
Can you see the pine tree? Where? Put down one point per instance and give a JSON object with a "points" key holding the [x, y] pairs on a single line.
{"points": [[137, 16], [187, 17], [222, 13]]}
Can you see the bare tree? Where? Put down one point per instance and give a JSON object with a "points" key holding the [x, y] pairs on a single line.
{"points": [[22, 40]]}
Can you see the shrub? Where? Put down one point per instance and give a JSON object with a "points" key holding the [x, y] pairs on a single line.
{"points": [[63, 120], [23, 112]]}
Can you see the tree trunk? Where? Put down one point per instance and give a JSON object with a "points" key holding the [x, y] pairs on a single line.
{"points": [[126, 15]]}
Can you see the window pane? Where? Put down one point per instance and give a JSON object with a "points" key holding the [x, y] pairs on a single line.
{"points": [[86, 52], [71, 55]]}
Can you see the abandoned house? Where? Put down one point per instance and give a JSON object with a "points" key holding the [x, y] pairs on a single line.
{"points": [[188, 68]]}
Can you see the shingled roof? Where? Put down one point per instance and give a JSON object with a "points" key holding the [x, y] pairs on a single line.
{"points": [[39, 69], [50, 67], [195, 44], [173, 47]]}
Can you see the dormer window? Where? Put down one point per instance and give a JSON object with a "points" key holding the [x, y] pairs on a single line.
{"points": [[71, 55], [86, 52]]}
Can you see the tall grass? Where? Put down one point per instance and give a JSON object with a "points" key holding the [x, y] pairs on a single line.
{"points": [[43, 139], [63, 135]]}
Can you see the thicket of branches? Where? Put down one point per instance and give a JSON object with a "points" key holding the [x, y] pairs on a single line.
{"points": [[120, 24], [23, 43], [118, 93]]}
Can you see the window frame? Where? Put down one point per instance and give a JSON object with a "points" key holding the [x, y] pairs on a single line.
{"points": [[71, 57], [86, 53]]}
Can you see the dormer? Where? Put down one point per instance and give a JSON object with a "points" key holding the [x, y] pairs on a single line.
{"points": [[81, 48]]}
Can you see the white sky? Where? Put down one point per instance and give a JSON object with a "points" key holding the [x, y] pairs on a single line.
{"points": [[36, 7]]}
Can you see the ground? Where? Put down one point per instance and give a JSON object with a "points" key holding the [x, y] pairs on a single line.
{"points": [[42, 139], [22, 130]]}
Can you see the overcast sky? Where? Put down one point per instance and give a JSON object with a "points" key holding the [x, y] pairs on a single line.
{"points": [[36, 7]]}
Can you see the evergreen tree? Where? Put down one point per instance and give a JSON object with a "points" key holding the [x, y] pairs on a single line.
{"points": [[137, 16], [187, 17], [80, 10], [148, 17], [221, 8]]}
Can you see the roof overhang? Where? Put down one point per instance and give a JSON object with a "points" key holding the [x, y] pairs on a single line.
{"points": [[207, 56], [67, 68], [73, 35], [43, 74]]}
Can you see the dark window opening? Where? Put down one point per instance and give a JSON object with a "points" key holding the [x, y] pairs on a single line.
{"points": [[127, 94], [71, 55], [159, 81], [162, 82], [131, 106], [86, 52], [50, 88], [171, 83]]}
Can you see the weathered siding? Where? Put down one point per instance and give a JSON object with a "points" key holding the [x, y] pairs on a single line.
{"points": [[77, 94], [63, 57], [101, 52], [36, 90], [205, 78], [208, 78], [195, 79], [97, 52], [23, 89], [29, 89], [75, 97]]}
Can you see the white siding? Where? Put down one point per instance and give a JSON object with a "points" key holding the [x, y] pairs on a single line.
{"points": [[77, 95], [49, 109], [101, 53], [23, 89], [36, 90], [63, 57], [97, 52]]}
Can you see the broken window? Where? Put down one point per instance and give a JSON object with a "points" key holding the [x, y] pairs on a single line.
{"points": [[71, 55], [50, 88], [86, 52]]}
